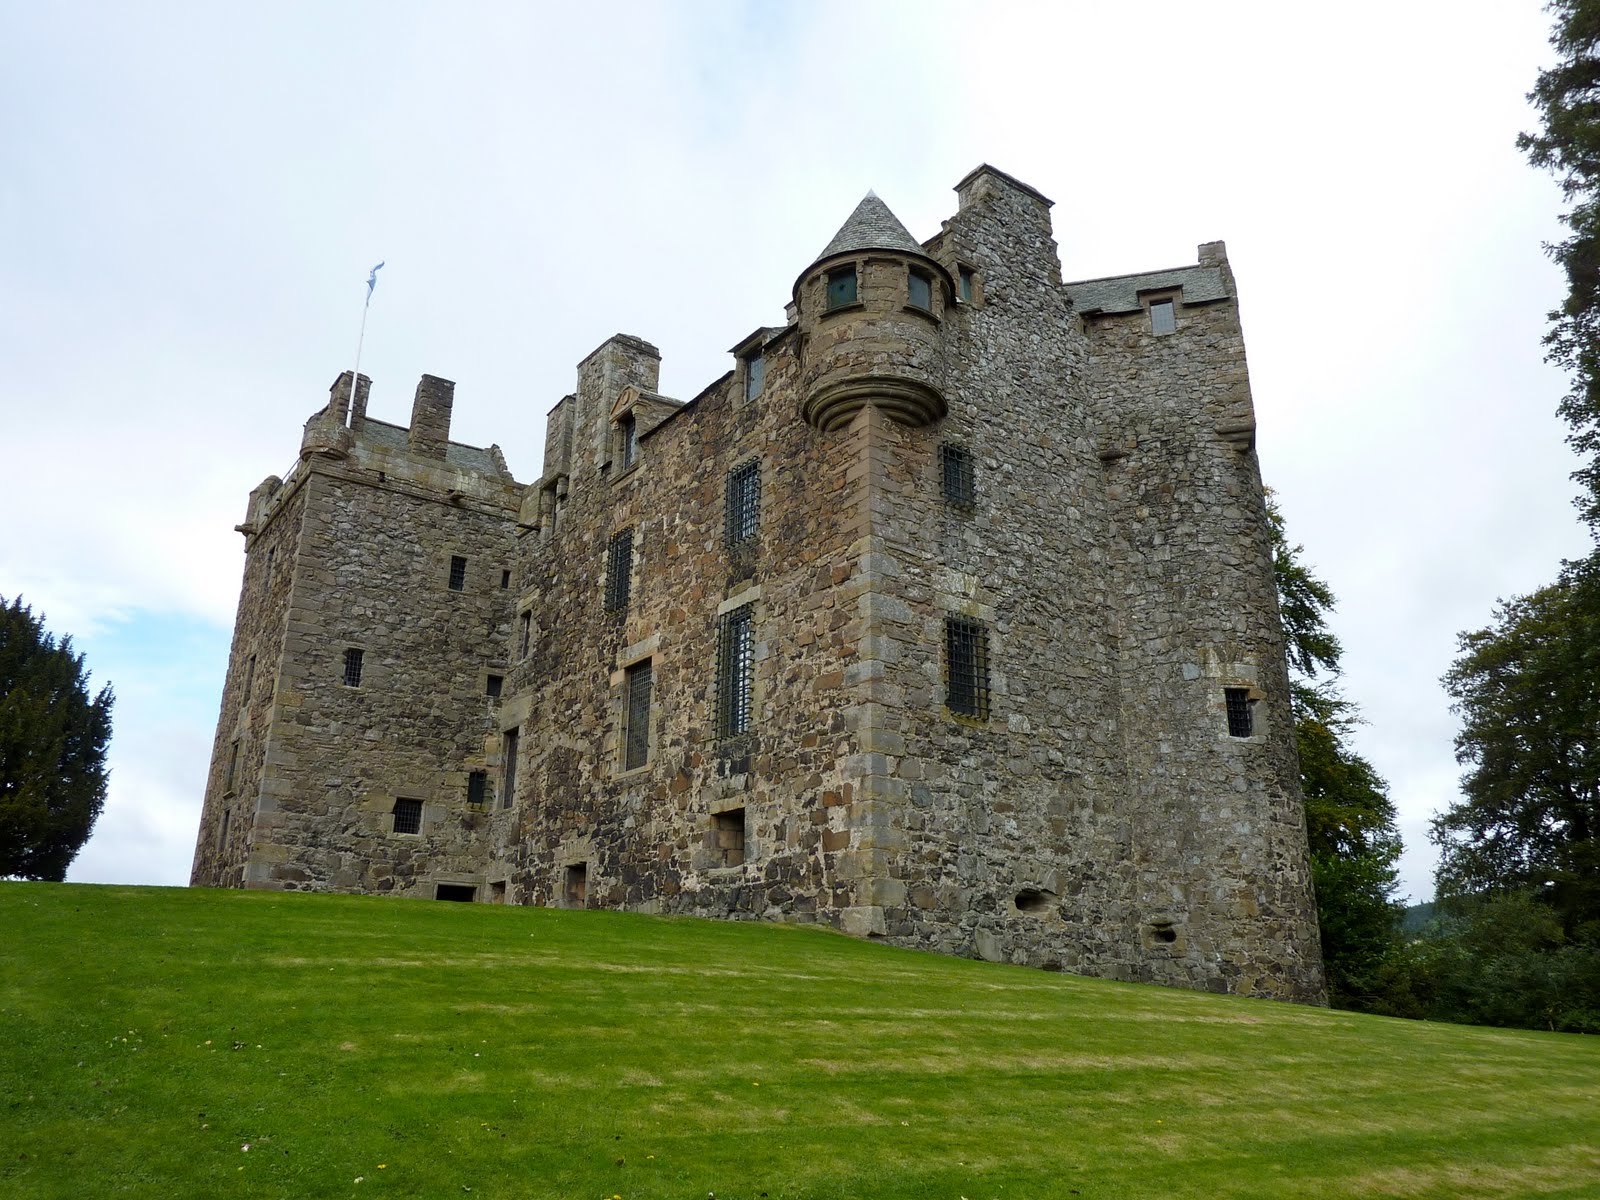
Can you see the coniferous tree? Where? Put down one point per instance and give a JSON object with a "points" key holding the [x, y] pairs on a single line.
{"points": [[53, 741]]}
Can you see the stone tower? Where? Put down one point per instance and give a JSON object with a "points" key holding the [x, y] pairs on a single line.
{"points": [[946, 617]]}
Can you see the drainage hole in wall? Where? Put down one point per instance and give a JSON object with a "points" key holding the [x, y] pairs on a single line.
{"points": [[1033, 900]]}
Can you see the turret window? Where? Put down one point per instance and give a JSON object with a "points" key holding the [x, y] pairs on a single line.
{"points": [[1241, 715], [841, 287], [919, 289]]}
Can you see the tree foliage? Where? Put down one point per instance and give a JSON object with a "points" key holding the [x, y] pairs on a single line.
{"points": [[53, 740], [1568, 145], [1350, 820], [1527, 689]]}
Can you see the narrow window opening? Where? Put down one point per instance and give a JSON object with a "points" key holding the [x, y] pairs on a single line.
{"points": [[222, 829], [1163, 316], [755, 375], [477, 788], [735, 671], [742, 503], [964, 279], [958, 476], [233, 768], [525, 633], [272, 553], [628, 432], [841, 287], [919, 290], [636, 725], [492, 685], [458, 573], [407, 816], [505, 579], [249, 681], [619, 570], [575, 887], [508, 775], [727, 833], [966, 667], [352, 667], [463, 893], [1241, 718]]}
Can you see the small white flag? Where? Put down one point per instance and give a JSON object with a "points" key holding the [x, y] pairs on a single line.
{"points": [[372, 281]]}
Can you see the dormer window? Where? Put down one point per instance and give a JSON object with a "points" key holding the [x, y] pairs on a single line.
{"points": [[755, 374], [919, 290], [628, 432], [1163, 316], [841, 286]]}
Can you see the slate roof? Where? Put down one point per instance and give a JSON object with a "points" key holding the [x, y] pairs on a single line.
{"points": [[872, 227], [1120, 293], [456, 454]]}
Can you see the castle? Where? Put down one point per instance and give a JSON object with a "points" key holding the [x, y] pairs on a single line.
{"points": [[947, 616]]}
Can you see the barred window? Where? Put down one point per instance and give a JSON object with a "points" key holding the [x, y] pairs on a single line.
{"points": [[735, 671], [742, 503], [966, 644], [1241, 719], [458, 573], [636, 718], [408, 816], [958, 475], [619, 569], [477, 788], [352, 667]]}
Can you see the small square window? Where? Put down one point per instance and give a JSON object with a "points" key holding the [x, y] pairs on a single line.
{"points": [[408, 816], [1163, 316], [966, 667], [958, 477], [477, 788], [742, 503], [1241, 716], [727, 835], [458, 573], [352, 667], [492, 685], [841, 286], [919, 289], [755, 375], [636, 716], [619, 570], [964, 279]]}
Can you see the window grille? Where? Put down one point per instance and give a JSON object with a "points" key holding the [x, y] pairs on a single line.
{"points": [[1241, 720], [841, 287], [493, 685], [966, 666], [742, 503], [477, 788], [458, 573], [636, 730], [508, 785], [619, 570], [408, 816], [919, 290], [1163, 317], [735, 671], [352, 667], [958, 475]]}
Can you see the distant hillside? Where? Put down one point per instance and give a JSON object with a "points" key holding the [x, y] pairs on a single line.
{"points": [[190, 1043], [1416, 917]]}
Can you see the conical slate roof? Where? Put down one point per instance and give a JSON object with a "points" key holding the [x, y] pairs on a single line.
{"points": [[871, 227]]}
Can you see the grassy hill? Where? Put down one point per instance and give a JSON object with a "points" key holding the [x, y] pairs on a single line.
{"points": [[173, 1043]]}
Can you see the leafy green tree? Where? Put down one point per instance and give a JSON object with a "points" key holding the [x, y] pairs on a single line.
{"points": [[1527, 689], [1350, 820], [1568, 145], [53, 740]]}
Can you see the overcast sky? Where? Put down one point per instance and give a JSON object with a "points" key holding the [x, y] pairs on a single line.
{"points": [[191, 196]]}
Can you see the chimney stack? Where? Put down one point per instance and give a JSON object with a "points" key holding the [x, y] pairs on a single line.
{"points": [[430, 417]]}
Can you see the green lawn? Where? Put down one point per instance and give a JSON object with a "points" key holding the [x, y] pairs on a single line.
{"points": [[173, 1043]]}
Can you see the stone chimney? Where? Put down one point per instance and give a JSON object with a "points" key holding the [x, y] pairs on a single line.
{"points": [[430, 417]]}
